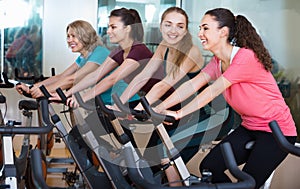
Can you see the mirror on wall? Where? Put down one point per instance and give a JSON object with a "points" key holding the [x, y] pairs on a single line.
{"points": [[21, 37], [149, 10]]}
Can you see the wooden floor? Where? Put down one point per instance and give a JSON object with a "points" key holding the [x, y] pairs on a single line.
{"points": [[55, 179], [58, 162]]}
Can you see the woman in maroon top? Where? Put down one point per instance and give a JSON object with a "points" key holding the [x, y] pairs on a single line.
{"points": [[125, 29], [129, 58]]}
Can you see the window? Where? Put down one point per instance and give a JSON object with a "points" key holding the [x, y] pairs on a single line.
{"points": [[21, 37]]}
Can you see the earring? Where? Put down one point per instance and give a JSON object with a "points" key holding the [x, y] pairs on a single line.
{"points": [[233, 41]]}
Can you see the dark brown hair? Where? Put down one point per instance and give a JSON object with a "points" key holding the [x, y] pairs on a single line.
{"points": [[242, 34], [130, 17]]}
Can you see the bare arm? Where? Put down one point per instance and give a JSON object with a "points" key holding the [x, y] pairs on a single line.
{"points": [[125, 69], [185, 91], [192, 63], [69, 71], [204, 97], [93, 77], [142, 78], [35, 91], [160, 88], [68, 81]]}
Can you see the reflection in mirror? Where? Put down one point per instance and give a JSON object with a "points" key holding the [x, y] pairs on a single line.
{"points": [[21, 22], [149, 10]]}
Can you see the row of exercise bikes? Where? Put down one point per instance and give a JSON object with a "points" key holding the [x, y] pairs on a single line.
{"points": [[95, 167]]}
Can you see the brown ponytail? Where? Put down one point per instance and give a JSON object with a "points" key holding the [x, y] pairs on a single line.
{"points": [[242, 34], [131, 17]]}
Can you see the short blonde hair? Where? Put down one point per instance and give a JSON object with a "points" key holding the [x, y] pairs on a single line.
{"points": [[86, 34]]}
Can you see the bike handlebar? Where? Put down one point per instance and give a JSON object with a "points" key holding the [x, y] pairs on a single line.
{"points": [[6, 83], [282, 141], [245, 181], [156, 117], [48, 126], [27, 78], [2, 99], [24, 93], [33, 78], [109, 112], [138, 114], [45, 91], [47, 94], [82, 104], [99, 104], [62, 95]]}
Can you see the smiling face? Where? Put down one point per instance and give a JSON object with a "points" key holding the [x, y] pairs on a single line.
{"points": [[210, 34], [117, 31], [73, 41], [173, 27]]}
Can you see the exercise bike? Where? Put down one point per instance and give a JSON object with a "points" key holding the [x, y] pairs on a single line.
{"points": [[282, 141], [7, 132], [21, 160], [203, 131], [80, 141], [139, 171]]}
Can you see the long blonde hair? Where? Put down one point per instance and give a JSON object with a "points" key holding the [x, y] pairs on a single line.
{"points": [[184, 45]]}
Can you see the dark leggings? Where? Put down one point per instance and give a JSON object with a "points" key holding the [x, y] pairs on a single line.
{"points": [[260, 161]]}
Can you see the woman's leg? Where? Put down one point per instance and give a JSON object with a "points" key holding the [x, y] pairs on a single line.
{"points": [[265, 156], [214, 161]]}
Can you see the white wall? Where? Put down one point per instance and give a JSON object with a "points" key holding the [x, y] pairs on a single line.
{"points": [[57, 15]]}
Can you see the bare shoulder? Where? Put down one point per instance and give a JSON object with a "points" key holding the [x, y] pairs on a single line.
{"points": [[160, 51], [195, 55], [195, 52]]}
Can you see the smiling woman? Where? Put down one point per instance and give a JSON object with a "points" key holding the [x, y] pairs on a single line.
{"points": [[241, 71], [81, 38], [131, 55], [149, 11], [180, 60]]}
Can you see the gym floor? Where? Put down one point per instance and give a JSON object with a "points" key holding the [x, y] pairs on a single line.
{"points": [[55, 179], [286, 175]]}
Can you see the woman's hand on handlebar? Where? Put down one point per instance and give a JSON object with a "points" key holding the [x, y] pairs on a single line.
{"points": [[160, 108], [55, 97], [36, 92], [72, 102], [116, 108], [22, 87], [171, 113]]}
